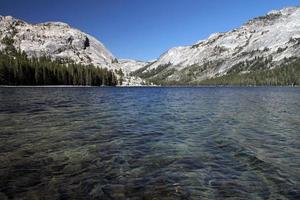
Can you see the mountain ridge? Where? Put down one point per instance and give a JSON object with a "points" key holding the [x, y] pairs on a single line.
{"points": [[270, 39], [60, 41], [55, 39], [263, 42]]}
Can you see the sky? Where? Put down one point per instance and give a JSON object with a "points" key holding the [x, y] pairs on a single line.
{"points": [[144, 29]]}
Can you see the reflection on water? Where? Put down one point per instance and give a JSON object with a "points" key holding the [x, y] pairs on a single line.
{"points": [[150, 143]]}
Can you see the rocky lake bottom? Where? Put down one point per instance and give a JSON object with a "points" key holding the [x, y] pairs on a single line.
{"points": [[150, 143]]}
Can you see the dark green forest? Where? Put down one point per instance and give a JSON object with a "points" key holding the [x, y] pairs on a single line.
{"points": [[259, 74], [17, 69], [285, 75], [20, 70]]}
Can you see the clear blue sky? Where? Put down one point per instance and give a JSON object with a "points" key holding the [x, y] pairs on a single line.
{"points": [[144, 29]]}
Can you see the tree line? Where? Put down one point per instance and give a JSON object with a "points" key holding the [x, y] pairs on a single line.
{"points": [[17, 69], [287, 74], [254, 72]]}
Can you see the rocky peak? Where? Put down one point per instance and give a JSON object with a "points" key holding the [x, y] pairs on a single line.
{"points": [[59, 24], [56, 40], [271, 38]]}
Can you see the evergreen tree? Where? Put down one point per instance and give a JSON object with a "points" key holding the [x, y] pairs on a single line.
{"points": [[17, 69]]}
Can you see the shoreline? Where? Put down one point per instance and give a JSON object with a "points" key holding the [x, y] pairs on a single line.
{"points": [[146, 86]]}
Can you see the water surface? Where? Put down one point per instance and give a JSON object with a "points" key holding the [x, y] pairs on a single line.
{"points": [[150, 143]]}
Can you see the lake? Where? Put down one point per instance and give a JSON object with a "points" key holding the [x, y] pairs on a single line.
{"points": [[150, 143]]}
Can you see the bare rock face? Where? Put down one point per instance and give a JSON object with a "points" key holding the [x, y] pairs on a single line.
{"points": [[264, 41], [56, 40], [129, 65]]}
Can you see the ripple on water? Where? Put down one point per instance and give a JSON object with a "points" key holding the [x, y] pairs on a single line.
{"points": [[149, 143]]}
